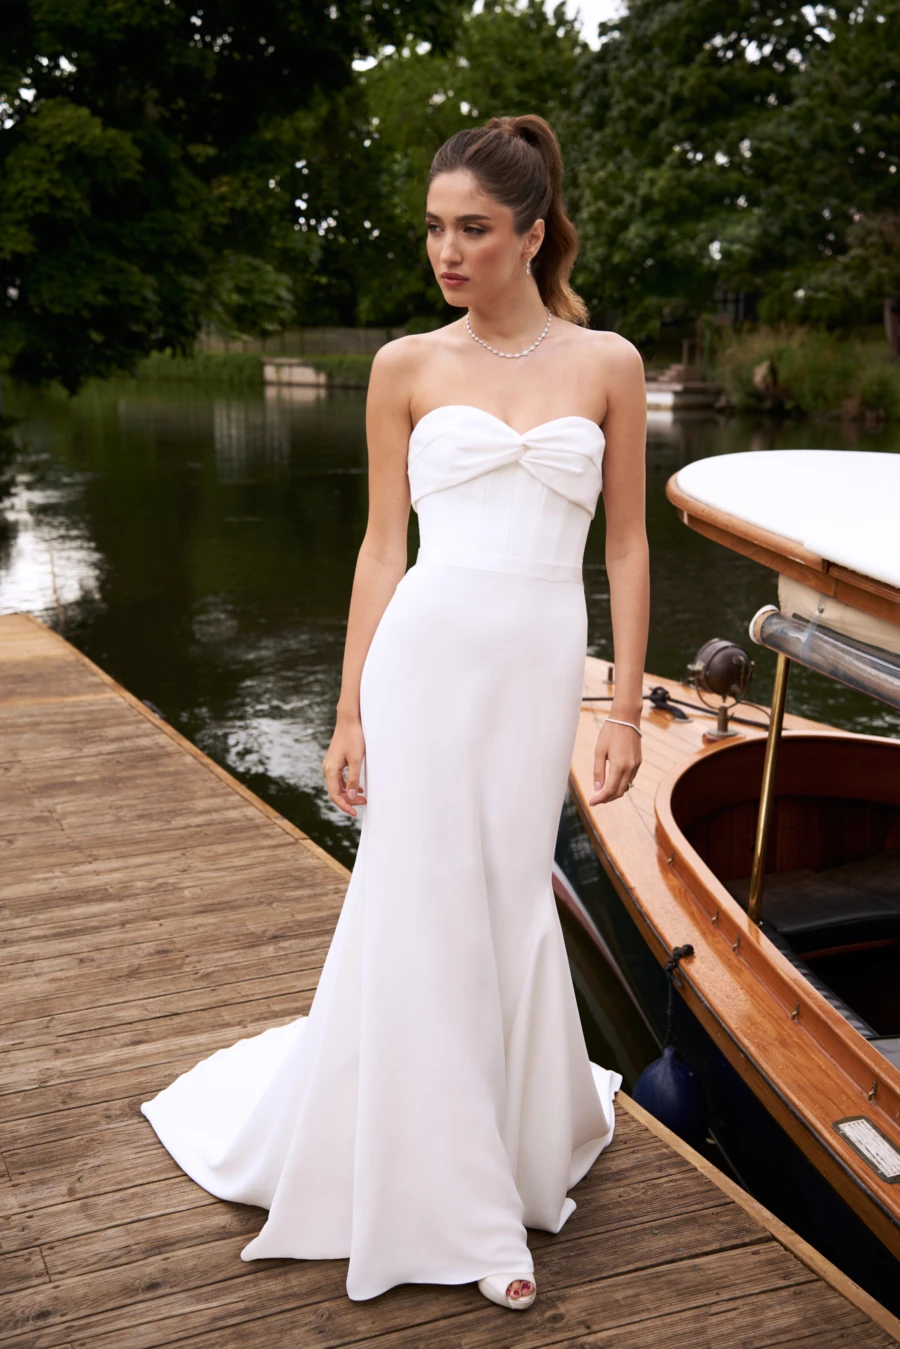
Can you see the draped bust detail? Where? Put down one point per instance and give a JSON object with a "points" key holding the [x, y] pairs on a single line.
{"points": [[455, 443]]}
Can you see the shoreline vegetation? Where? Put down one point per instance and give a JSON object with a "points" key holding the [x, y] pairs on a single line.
{"points": [[785, 371], [796, 371], [244, 369]]}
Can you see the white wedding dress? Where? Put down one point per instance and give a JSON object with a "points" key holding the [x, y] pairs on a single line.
{"points": [[438, 1099]]}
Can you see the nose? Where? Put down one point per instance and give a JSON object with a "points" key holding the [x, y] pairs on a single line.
{"points": [[450, 252]]}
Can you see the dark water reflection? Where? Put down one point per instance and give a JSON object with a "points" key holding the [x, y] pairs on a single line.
{"points": [[200, 547]]}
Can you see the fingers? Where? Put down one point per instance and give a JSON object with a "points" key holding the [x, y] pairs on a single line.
{"points": [[616, 762], [615, 785], [611, 778], [351, 787], [346, 795], [601, 772], [334, 782]]}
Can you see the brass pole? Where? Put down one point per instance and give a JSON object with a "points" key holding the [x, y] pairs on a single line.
{"points": [[767, 792]]}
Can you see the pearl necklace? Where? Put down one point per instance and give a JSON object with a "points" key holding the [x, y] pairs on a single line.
{"points": [[511, 355]]}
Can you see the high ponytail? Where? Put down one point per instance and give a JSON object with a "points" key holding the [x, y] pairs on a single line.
{"points": [[517, 161]]}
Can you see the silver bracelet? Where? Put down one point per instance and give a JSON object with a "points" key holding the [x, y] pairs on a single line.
{"points": [[626, 723]]}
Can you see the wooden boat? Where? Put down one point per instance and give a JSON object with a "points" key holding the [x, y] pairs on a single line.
{"points": [[774, 851]]}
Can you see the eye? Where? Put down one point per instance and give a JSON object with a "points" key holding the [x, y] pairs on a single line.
{"points": [[431, 226], [476, 229]]}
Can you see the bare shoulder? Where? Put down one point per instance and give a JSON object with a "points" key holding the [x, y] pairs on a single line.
{"points": [[399, 357], [608, 353], [392, 378]]}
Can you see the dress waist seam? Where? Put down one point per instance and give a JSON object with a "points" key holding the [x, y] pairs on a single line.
{"points": [[481, 560]]}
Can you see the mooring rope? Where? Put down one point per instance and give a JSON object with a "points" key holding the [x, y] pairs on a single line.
{"points": [[678, 953]]}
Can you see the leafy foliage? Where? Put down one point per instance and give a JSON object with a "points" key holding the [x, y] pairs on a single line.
{"points": [[809, 371], [737, 145], [135, 139]]}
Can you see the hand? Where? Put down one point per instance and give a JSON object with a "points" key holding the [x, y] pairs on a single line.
{"points": [[347, 749], [617, 757]]}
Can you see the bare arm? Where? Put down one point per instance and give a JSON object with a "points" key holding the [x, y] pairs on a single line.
{"points": [[618, 755], [381, 561]]}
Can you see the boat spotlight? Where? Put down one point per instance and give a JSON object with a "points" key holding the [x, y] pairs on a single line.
{"points": [[723, 669]]}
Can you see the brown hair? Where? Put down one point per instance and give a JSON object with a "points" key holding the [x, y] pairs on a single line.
{"points": [[517, 161]]}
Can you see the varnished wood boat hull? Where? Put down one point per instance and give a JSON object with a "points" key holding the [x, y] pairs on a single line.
{"points": [[775, 1084]]}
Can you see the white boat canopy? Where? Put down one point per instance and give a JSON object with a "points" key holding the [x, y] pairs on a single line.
{"points": [[843, 505]]}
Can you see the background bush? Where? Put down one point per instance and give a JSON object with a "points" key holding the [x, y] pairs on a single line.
{"points": [[807, 371]]}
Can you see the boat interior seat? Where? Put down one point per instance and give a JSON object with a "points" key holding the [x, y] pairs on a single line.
{"points": [[837, 1002], [890, 1048], [855, 902]]}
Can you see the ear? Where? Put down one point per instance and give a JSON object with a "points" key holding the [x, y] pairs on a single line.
{"points": [[535, 237]]}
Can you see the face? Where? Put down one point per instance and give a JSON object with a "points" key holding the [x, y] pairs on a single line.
{"points": [[472, 245]]}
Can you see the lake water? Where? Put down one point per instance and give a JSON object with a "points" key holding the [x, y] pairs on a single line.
{"points": [[200, 547]]}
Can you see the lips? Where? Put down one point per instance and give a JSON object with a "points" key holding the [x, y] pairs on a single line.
{"points": [[452, 277]]}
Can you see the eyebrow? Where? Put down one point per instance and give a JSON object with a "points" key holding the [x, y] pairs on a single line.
{"points": [[461, 219]]}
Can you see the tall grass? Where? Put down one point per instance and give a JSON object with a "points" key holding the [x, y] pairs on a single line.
{"points": [[347, 372], [807, 371], [234, 369], [244, 370]]}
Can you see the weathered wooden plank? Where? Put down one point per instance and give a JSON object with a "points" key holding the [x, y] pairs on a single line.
{"points": [[22, 1269], [98, 967], [182, 854], [413, 1315], [783, 1317], [635, 1193], [108, 1015], [240, 903], [286, 957], [282, 895], [280, 889], [71, 1160], [109, 1101], [239, 912], [129, 1243], [123, 1287], [53, 679], [77, 1217], [194, 926], [282, 883], [69, 1066], [111, 1017], [68, 1160], [175, 1272], [127, 884], [231, 1017], [638, 1183]]}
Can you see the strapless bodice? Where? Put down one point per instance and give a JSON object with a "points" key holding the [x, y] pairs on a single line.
{"points": [[489, 496]]}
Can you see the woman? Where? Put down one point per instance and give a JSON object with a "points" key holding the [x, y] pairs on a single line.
{"points": [[439, 1097]]}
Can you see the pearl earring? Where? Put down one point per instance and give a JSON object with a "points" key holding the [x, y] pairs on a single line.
{"points": [[528, 267]]}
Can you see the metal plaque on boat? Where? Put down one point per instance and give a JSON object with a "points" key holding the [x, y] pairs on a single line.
{"points": [[870, 1143]]}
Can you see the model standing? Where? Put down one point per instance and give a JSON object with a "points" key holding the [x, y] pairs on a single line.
{"points": [[438, 1099]]}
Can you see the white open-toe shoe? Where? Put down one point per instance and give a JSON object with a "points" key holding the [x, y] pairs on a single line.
{"points": [[494, 1286]]}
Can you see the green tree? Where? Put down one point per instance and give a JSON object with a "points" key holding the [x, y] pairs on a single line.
{"points": [[832, 231], [721, 149], [134, 140]]}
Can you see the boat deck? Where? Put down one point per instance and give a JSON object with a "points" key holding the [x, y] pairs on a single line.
{"points": [[154, 910]]}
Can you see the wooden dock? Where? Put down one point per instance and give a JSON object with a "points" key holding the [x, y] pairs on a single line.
{"points": [[154, 910]]}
